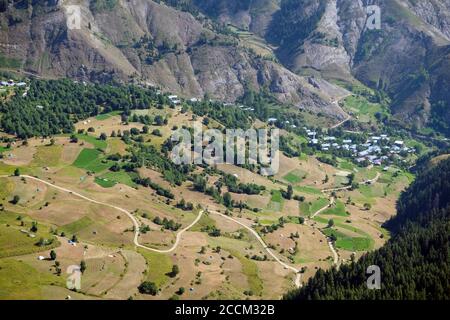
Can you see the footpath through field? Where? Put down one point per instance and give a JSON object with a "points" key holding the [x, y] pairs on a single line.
{"points": [[297, 280]]}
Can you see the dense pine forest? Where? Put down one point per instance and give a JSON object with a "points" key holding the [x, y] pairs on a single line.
{"points": [[52, 107], [415, 263]]}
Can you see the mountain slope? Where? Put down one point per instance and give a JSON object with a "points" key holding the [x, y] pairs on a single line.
{"points": [[406, 58], [146, 41]]}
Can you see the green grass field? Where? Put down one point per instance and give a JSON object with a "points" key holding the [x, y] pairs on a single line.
{"points": [[104, 182], [276, 201], [47, 156], [106, 116], [346, 165], [3, 149], [77, 226], [158, 266], [91, 160], [308, 190], [363, 109], [110, 179], [19, 280], [361, 242], [337, 210], [85, 157], [294, 177], [6, 169], [250, 269], [13, 242], [97, 143], [348, 243], [7, 186], [307, 208]]}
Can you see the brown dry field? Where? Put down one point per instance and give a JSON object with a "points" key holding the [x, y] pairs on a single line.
{"points": [[107, 126], [110, 273], [117, 277]]}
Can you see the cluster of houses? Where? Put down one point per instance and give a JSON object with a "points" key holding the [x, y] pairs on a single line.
{"points": [[174, 99], [376, 150], [272, 121], [12, 83]]}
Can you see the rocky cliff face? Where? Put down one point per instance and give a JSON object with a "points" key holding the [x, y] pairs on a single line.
{"points": [[330, 38], [151, 42], [434, 12], [183, 46]]}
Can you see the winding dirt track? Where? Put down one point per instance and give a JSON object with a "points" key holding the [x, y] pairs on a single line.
{"points": [[179, 234]]}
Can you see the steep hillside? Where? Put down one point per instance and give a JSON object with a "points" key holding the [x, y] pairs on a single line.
{"points": [[195, 47], [414, 263], [405, 58], [154, 43]]}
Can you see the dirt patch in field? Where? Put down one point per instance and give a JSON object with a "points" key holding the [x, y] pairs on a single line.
{"points": [[107, 126], [19, 156]]}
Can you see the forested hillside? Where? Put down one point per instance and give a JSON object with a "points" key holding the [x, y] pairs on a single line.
{"points": [[52, 107], [415, 263]]}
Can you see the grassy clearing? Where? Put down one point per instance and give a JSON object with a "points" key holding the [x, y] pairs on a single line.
{"points": [[354, 244], [47, 156], [362, 242], [365, 174], [363, 109], [249, 267], [158, 266], [3, 149], [346, 165], [104, 183], [13, 242], [309, 208], [106, 116], [250, 270], [97, 143], [308, 190], [19, 280], [294, 177], [6, 169], [349, 243], [85, 157], [276, 201], [372, 191], [205, 221], [110, 179], [337, 210], [90, 159], [116, 146], [6, 187], [76, 226]]}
